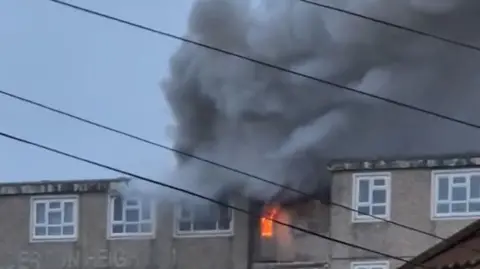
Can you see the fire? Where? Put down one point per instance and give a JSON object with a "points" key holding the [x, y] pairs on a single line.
{"points": [[266, 223]]}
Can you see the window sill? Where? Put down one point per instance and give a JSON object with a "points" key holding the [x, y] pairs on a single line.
{"points": [[132, 236], [53, 239], [455, 217], [370, 220], [209, 234]]}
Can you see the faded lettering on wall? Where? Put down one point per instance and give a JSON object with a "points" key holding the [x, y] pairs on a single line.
{"points": [[102, 258]]}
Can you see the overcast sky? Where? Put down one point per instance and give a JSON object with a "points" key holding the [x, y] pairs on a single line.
{"points": [[91, 67]]}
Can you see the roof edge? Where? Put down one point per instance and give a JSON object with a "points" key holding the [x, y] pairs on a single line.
{"points": [[438, 162], [465, 234]]}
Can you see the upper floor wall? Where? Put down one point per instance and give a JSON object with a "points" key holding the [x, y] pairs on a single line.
{"points": [[87, 225], [438, 196]]}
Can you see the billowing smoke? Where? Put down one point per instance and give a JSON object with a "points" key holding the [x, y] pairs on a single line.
{"points": [[283, 127]]}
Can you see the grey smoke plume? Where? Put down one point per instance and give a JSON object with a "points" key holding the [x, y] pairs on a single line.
{"points": [[284, 128]]}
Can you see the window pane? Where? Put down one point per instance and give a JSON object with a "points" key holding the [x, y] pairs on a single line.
{"points": [[185, 212], [132, 215], [225, 212], [379, 196], [40, 213], [379, 210], [204, 225], [458, 180], [54, 205], [204, 212], [131, 228], [68, 212], [475, 186], [184, 226], [363, 191], [474, 207], [56, 230], [68, 230], [363, 210], [459, 193], [224, 224], [379, 182], [459, 208], [132, 202], [40, 231], [443, 188], [146, 228], [117, 228], [146, 209], [117, 209], [443, 208], [55, 217]]}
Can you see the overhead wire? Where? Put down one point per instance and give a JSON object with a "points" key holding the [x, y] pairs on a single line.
{"points": [[391, 101], [393, 25], [273, 66], [214, 163], [320, 80], [215, 201], [419, 109]]}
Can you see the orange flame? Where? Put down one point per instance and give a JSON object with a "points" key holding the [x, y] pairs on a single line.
{"points": [[266, 223]]}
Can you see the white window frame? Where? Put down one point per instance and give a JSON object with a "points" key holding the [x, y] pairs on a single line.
{"points": [[356, 217], [125, 235], [34, 200], [195, 233], [370, 264], [435, 175]]}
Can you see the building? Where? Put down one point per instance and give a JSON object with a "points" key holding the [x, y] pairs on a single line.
{"points": [[439, 195], [85, 224], [88, 224], [460, 251]]}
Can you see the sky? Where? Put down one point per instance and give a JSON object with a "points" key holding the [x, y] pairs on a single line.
{"points": [[93, 68]]}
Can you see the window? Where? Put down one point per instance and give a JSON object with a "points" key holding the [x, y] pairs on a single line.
{"points": [[131, 217], [203, 218], [54, 218], [370, 265], [371, 196], [456, 194]]}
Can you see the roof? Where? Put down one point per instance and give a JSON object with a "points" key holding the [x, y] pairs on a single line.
{"points": [[61, 187], [469, 232], [463, 160], [470, 264]]}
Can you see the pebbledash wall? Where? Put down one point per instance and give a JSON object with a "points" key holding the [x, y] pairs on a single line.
{"points": [[439, 195], [84, 224]]}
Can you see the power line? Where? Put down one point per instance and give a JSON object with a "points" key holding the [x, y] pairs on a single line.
{"points": [[396, 26], [273, 66], [249, 213], [391, 101], [228, 168], [255, 61]]}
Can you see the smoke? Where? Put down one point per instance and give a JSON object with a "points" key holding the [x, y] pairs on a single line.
{"points": [[283, 127]]}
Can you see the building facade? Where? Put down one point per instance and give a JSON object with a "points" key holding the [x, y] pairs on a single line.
{"points": [[436, 195], [86, 224], [89, 224]]}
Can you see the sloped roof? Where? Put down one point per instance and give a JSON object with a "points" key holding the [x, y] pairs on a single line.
{"points": [[469, 232]]}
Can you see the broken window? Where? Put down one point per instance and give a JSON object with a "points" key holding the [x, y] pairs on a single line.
{"points": [[200, 217]]}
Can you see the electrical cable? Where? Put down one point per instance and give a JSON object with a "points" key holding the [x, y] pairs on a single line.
{"points": [[249, 213], [396, 26], [446, 117], [262, 63], [391, 101], [228, 168], [273, 66]]}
